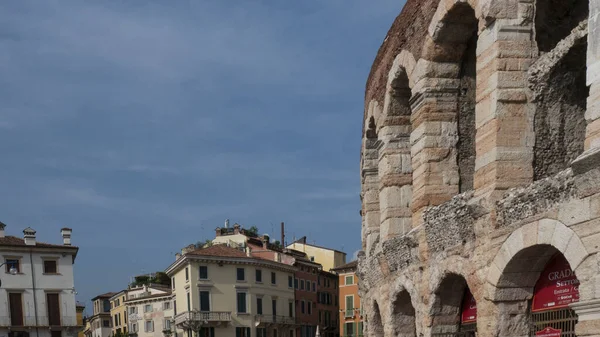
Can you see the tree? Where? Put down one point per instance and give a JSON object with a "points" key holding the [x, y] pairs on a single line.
{"points": [[200, 244], [253, 231]]}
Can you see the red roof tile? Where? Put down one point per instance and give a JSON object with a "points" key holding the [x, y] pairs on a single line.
{"points": [[15, 241], [218, 250]]}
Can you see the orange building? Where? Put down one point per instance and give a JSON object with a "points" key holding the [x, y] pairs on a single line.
{"points": [[351, 315]]}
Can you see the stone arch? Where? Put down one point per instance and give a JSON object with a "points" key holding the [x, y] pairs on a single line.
{"points": [[370, 179], [395, 170], [558, 82], [403, 309], [518, 264], [447, 304], [443, 119], [375, 323]]}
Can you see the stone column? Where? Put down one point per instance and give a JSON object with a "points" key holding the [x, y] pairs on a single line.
{"points": [[433, 144], [592, 116], [395, 177], [370, 194], [588, 313], [504, 117]]}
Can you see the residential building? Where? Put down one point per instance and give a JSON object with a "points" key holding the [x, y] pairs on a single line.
{"points": [[223, 291], [38, 289], [101, 321], [351, 313], [79, 308], [327, 257], [327, 304], [118, 313], [305, 286], [150, 310]]}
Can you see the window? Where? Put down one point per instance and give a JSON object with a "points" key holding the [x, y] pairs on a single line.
{"points": [[295, 283], [132, 310], [349, 329], [309, 307], [360, 328], [207, 332], [203, 272], [167, 324], [273, 278], [349, 280], [149, 326], [187, 274], [241, 303], [274, 332], [13, 263], [291, 333], [291, 309], [302, 307], [259, 310], [189, 304], [319, 280], [173, 282], [166, 305], [204, 301], [148, 308], [290, 282], [50, 267], [349, 305], [242, 332], [261, 332], [314, 287], [301, 284], [134, 327], [106, 323], [241, 274], [258, 276], [274, 307]]}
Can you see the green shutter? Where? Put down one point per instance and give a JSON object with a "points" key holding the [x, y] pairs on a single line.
{"points": [[345, 329], [360, 329]]}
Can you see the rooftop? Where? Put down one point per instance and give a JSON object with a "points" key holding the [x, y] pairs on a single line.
{"points": [[16, 242], [106, 295], [218, 250], [302, 241], [349, 265]]}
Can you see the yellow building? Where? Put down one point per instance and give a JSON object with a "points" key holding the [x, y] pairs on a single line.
{"points": [[327, 257], [79, 308], [118, 313], [221, 291]]}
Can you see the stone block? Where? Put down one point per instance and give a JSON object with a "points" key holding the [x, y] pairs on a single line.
{"points": [[574, 212], [561, 238], [546, 228]]}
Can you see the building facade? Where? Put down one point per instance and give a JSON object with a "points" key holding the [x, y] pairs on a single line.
{"points": [[118, 313], [37, 289], [480, 171], [222, 291], [150, 311], [101, 319], [80, 308], [327, 257], [327, 304], [351, 314]]}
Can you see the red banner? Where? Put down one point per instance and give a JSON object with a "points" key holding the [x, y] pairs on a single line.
{"points": [[557, 286], [548, 332], [469, 308]]}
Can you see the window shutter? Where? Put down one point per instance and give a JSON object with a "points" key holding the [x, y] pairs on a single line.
{"points": [[345, 329]]}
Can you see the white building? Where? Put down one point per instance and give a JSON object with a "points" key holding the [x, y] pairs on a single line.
{"points": [[150, 310], [100, 321], [37, 291]]}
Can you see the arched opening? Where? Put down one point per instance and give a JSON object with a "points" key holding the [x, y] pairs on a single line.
{"points": [[558, 80], [540, 282], [403, 316], [375, 324], [454, 310]]}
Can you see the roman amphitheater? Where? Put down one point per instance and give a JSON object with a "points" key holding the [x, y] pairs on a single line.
{"points": [[480, 171]]}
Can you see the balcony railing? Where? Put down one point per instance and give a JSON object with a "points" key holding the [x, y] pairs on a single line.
{"points": [[40, 321], [191, 319], [275, 319], [349, 313]]}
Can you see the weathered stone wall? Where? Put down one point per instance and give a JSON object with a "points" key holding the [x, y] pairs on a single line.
{"points": [[504, 160]]}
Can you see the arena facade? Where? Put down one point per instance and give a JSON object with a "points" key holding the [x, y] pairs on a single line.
{"points": [[480, 171]]}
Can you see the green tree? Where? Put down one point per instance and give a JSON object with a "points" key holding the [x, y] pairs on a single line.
{"points": [[253, 231]]}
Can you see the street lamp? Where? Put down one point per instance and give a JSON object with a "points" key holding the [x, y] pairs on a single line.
{"points": [[12, 270]]}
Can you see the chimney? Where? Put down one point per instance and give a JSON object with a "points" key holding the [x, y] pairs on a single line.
{"points": [[2, 226], [282, 234], [217, 231], [236, 229], [188, 249], [177, 256], [266, 239], [29, 236], [66, 235]]}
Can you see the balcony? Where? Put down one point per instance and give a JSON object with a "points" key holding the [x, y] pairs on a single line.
{"points": [[196, 319], [270, 320]]}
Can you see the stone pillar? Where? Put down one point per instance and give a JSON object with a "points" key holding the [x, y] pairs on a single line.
{"points": [[504, 118], [592, 116], [588, 313], [433, 144], [395, 177], [370, 194]]}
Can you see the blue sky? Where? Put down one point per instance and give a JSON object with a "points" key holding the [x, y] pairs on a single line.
{"points": [[143, 125]]}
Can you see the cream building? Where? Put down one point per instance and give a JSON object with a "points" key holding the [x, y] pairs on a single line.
{"points": [[37, 288], [150, 311], [327, 257], [100, 321], [221, 291]]}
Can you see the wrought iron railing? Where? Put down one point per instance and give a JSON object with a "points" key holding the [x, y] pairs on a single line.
{"points": [[275, 319], [562, 319], [202, 316]]}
